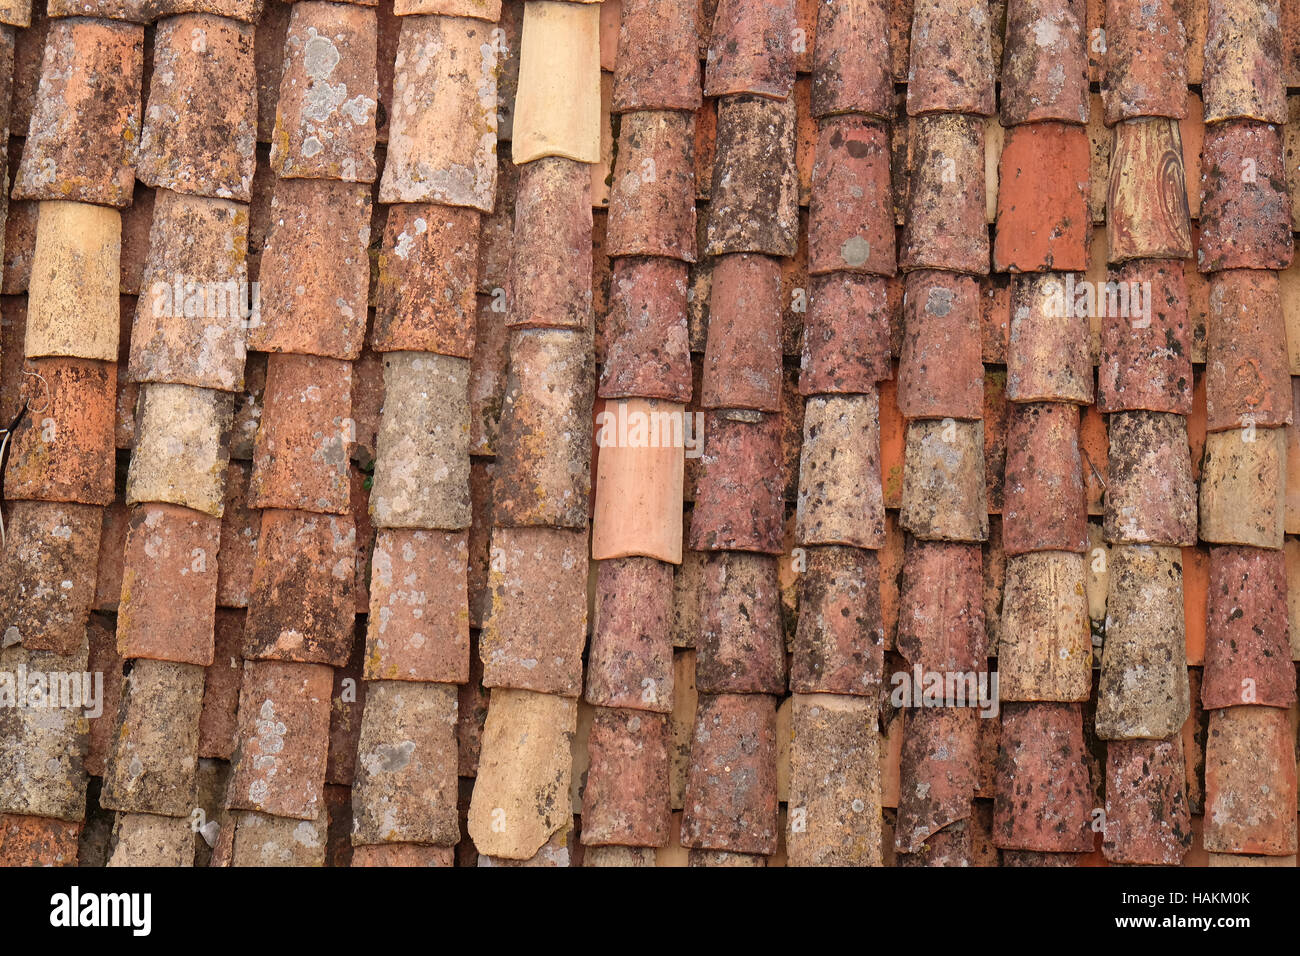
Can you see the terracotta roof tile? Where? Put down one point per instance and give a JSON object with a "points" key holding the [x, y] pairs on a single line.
{"points": [[325, 113], [209, 151], [738, 502], [1142, 689], [851, 222], [941, 607], [419, 615], [656, 67], [750, 48], [626, 797], [146, 839], [302, 604], [218, 724], [169, 585], [851, 61], [481, 474], [647, 353], [1247, 651], [279, 764], [511, 25], [37, 841], [238, 540], [840, 496], [838, 643], [402, 854], [180, 457], [741, 649], [46, 545], [1150, 494], [1145, 60], [937, 774], [1044, 506], [652, 200], [523, 773], [264, 840], [1043, 220], [939, 371], [62, 450], [1147, 820], [543, 453], [1042, 801], [103, 659], [754, 195], [742, 362], [945, 208], [405, 789], [630, 658], [1245, 210], [730, 801], [1250, 783], [315, 270], [639, 481], [190, 321], [268, 61], [1243, 76], [550, 263], [1045, 62], [944, 492], [557, 107], [1243, 487], [534, 636], [965, 85], [85, 124], [1146, 362], [300, 459], [20, 245], [1146, 215], [151, 768], [428, 271], [487, 377], [1247, 378], [73, 307], [1045, 647]]}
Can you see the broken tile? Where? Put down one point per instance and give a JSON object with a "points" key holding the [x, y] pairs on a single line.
{"points": [[937, 774]]}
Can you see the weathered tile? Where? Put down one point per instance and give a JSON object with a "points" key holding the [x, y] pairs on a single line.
{"points": [[264, 840], [1044, 70], [937, 775], [62, 447], [325, 113], [845, 335], [851, 216], [180, 456], [1146, 360], [315, 271], [1247, 380], [1147, 815], [302, 606], [1043, 220], [1245, 210], [489, 10], [1150, 492], [402, 854], [945, 221], [27, 840], [102, 660], [742, 359], [535, 634], [521, 794], [279, 764], [941, 607], [652, 193], [730, 801], [944, 492], [1045, 646], [1044, 504], [1042, 801], [839, 640], [544, 448], [152, 766], [750, 49], [962, 43], [146, 839], [1146, 204], [840, 497], [300, 458], [626, 797], [218, 721], [550, 276], [421, 477], [86, 120], [1048, 341], [208, 151], [1142, 689], [557, 108], [740, 647], [630, 659], [192, 317], [939, 370], [1250, 782], [851, 61], [169, 585], [43, 747], [656, 67], [73, 307], [1247, 650], [647, 353], [428, 270], [754, 203], [738, 502], [1243, 487], [1243, 70], [1144, 63], [405, 789]]}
